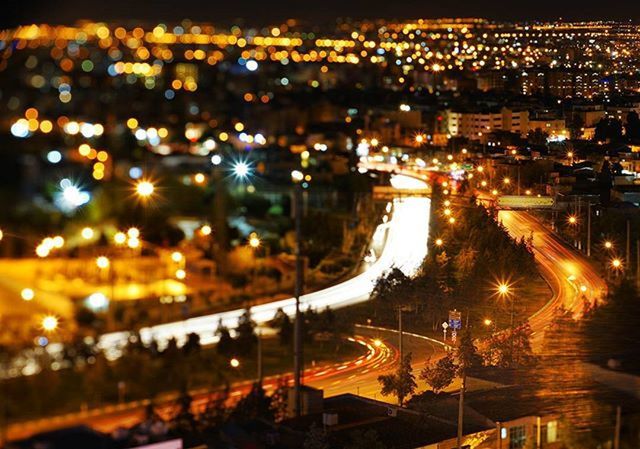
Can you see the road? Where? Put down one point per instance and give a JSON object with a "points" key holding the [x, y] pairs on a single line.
{"points": [[399, 242], [358, 376], [570, 276]]}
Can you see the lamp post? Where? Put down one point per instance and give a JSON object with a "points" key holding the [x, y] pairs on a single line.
{"points": [[297, 178]]}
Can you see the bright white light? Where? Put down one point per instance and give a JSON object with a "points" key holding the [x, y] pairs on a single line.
{"points": [[97, 302], [87, 233], [27, 294], [260, 140], [86, 129], [141, 134], [71, 197], [362, 149], [210, 144], [297, 175], [241, 169], [54, 156], [216, 159], [20, 129], [252, 65]]}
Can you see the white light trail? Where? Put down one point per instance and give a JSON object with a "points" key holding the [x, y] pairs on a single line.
{"points": [[405, 248]]}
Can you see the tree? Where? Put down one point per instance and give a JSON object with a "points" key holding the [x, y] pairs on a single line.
{"points": [[510, 348], [226, 344], [386, 286], [440, 374], [632, 128], [255, 405], [537, 137], [402, 383], [612, 330], [316, 438], [467, 353], [608, 129], [365, 439], [192, 344], [283, 325], [246, 338]]}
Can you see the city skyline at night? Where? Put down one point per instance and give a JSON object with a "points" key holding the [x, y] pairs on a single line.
{"points": [[324, 226]]}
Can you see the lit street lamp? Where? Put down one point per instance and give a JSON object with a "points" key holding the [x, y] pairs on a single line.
{"points": [[27, 294], [144, 189], [87, 233], [103, 262], [254, 240], [49, 323]]}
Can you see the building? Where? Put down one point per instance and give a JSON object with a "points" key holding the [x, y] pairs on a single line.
{"points": [[475, 124]]}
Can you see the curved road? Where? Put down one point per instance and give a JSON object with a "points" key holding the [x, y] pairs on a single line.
{"points": [[401, 242], [571, 277]]}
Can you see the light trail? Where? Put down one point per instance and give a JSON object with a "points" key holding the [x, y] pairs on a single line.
{"points": [[405, 247]]}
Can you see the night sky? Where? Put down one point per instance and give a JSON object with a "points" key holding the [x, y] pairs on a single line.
{"points": [[14, 12]]}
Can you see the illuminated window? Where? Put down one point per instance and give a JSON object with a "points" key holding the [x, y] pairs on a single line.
{"points": [[517, 437], [552, 431]]}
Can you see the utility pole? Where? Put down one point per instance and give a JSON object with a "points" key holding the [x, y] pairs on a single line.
{"points": [[260, 357], [518, 179], [400, 334], [616, 435], [628, 261], [589, 229], [297, 356], [461, 407], [638, 262]]}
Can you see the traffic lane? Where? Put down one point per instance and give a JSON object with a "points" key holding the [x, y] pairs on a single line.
{"points": [[375, 358], [571, 278], [365, 382]]}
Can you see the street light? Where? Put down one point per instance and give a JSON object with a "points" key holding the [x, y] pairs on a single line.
{"points": [[120, 238], [254, 240], [572, 219], [133, 233], [49, 323], [234, 363], [616, 263], [377, 342], [176, 256], [487, 322], [27, 294], [608, 244], [144, 188], [297, 176], [103, 262], [241, 169], [439, 242], [87, 233], [205, 230]]}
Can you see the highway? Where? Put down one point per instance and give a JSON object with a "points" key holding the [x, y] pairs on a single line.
{"points": [[399, 242], [570, 276]]}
